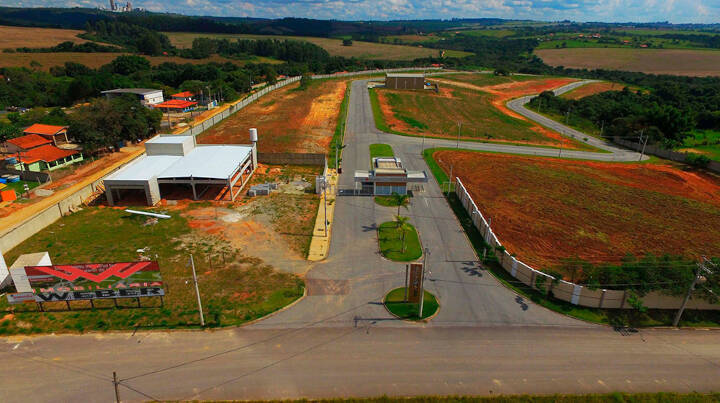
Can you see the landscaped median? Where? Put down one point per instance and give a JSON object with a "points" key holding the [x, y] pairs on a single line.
{"points": [[399, 241], [396, 303]]}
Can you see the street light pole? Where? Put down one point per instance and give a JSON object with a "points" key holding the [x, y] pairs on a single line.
{"points": [[459, 124], [422, 283], [197, 291], [701, 269]]}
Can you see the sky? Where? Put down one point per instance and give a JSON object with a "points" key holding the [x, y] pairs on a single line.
{"points": [[676, 11]]}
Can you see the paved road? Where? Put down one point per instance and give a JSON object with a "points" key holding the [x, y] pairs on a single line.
{"points": [[363, 361], [339, 341]]}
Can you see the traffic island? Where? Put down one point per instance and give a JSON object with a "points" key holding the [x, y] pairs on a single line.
{"points": [[396, 305], [399, 241]]}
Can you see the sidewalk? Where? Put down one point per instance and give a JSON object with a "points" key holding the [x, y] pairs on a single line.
{"points": [[320, 243]]}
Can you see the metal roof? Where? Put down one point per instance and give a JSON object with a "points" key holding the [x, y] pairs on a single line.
{"points": [[408, 75], [139, 91], [144, 168], [205, 161]]}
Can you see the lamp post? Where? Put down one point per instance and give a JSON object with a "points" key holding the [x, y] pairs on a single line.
{"points": [[422, 283]]}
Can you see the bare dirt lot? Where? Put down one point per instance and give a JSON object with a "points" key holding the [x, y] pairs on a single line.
{"points": [[682, 62], [481, 109], [592, 89], [24, 37], [545, 210], [95, 60], [288, 120]]}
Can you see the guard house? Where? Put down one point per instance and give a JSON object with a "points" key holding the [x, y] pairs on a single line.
{"points": [[388, 176], [175, 165], [405, 81]]}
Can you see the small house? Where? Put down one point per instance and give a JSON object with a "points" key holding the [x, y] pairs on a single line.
{"points": [[176, 106], [56, 134], [36, 153], [183, 96], [146, 96], [405, 81]]}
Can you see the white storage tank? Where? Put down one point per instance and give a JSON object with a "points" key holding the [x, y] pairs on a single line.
{"points": [[253, 135]]}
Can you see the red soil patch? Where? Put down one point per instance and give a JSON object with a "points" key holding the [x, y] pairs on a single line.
{"points": [[287, 120], [516, 89], [592, 89], [545, 210]]}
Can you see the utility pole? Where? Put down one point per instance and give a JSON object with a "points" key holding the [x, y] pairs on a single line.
{"points": [[459, 124], [324, 188], [117, 391], [422, 153], [642, 152], [197, 291], [422, 283], [701, 269]]}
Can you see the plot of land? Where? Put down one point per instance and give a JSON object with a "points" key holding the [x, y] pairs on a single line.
{"points": [[360, 50], [95, 60], [23, 37], [482, 79], [288, 120], [592, 89], [235, 287], [545, 210], [653, 61], [481, 109]]}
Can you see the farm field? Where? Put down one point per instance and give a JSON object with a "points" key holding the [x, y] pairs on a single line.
{"points": [[482, 79], [545, 210], [592, 89], [481, 109], [359, 49], [95, 60], [235, 286], [22, 37], [651, 61], [288, 120]]}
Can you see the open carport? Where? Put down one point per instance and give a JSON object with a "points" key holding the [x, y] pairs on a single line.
{"points": [[173, 162]]}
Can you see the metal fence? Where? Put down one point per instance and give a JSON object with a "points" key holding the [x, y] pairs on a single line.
{"points": [[563, 290]]}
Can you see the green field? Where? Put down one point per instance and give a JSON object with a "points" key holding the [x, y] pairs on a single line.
{"points": [[480, 120], [495, 33], [706, 142], [235, 288], [482, 79], [19, 188], [359, 49], [395, 303], [390, 241]]}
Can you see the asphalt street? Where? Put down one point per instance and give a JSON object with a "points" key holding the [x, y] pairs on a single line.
{"points": [[339, 341]]}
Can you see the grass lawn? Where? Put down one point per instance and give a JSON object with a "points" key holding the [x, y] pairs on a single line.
{"points": [[386, 201], [706, 142], [390, 240], [235, 288], [338, 137], [660, 397], [405, 113], [381, 150], [18, 187], [394, 301]]}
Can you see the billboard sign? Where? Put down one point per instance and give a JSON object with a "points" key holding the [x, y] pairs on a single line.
{"points": [[21, 297], [415, 284], [95, 281]]}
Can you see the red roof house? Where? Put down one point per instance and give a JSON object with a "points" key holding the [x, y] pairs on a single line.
{"points": [[183, 96], [57, 134], [176, 105], [27, 142]]}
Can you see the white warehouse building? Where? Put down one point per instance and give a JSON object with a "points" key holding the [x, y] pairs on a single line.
{"points": [[170, 162]]}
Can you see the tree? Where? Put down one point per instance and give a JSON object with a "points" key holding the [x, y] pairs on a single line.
{"points": [[149, 44], [8, 132], [402, 223], [400, 201], [129, 64], [347, 42]]}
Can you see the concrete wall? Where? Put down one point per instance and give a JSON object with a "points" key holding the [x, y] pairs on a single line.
{"points": [[713, 166], [31, 176], [573, 293], [291, 159]]}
